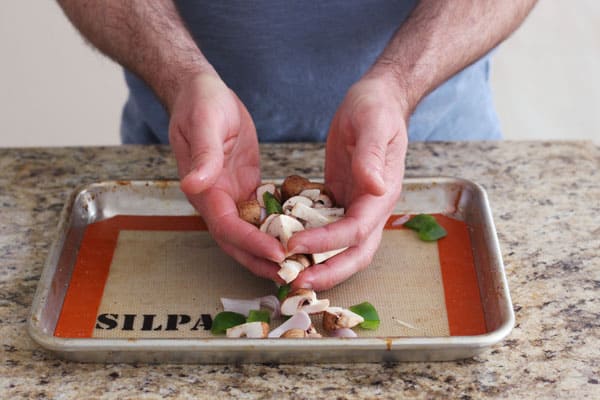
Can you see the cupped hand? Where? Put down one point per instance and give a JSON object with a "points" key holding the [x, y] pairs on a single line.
{"points": [[215, 144], [364, 168]]}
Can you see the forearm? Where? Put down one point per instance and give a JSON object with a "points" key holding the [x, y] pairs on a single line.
{"points": [[442, 37], [146, 36]]}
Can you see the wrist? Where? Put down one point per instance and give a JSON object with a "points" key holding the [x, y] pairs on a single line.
{"points": [[395, 84], [175, 79]]}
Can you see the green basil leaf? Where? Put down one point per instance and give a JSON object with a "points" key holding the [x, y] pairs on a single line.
{"points": [[225, 320], [259, 315], [369, 313]]}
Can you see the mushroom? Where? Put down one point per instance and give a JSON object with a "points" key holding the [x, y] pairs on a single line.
{"points": [[293, 185], [265, 224], [311, 217], [250, 211], [318, 258], [282, 227], [289, 204], [292, 266], [294, 333], [337, 318], [312, 194], [255, 330], [267, 187], [303, 300], [289, 269]]}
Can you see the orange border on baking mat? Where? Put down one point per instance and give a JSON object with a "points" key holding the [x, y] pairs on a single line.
{"points": [[461, 288], [78, 315]]}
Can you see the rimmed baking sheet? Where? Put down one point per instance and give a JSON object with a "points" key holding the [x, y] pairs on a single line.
{"points": [[134, 276]]}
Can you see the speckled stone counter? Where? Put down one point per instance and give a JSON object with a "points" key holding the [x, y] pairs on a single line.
{"points": [[546, 202]]}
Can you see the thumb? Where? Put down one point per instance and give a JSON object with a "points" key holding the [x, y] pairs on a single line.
{"points": [[205, 159], [368, 160]]}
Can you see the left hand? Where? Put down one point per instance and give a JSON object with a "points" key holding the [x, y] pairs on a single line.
{"points": [[364, 168]]}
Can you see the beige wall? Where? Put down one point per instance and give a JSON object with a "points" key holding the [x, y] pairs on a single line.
{"points": [[54, 90]]}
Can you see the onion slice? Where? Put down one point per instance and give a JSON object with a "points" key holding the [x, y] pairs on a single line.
{"points": [[240, 306], [300, 320], [271, 302], [343, 333], [401, 220]]}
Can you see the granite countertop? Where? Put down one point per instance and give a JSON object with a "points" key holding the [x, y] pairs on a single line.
{"points": [[546, 202]]}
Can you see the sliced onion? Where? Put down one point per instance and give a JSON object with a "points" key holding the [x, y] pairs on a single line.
{"points": [[240, 306], [300, 320], [401, 220], [343, 333], [273, 303]]}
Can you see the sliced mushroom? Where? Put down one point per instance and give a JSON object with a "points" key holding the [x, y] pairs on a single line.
{"points": [[283, 227], [265, 224], [267, 187], [303, 300], [318, 258], [311, 217], [255, 330], [250, 211], [289, 269], [323, 201], [337, 318], [311, 332], [294, 333], [292, 201], [312, 194]]}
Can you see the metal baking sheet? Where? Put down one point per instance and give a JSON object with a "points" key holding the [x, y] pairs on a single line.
{"points": [[457, 198]]}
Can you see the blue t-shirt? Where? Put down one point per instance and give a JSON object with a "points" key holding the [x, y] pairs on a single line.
{"points": [[292, 62]]}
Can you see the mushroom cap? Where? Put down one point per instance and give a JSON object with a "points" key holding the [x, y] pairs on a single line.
{"points": [[254, 330], [337, 318], [303, 300], [293, 185], [283, 227], [250, 211]]}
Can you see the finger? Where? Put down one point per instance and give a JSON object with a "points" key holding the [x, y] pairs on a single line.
{"points": [[369, 154], [339, 268], [258, 266], [221, 215], [364, 214]]}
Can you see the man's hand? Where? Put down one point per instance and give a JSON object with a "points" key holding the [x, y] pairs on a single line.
{"points": [[215, 144], [364, 168]]}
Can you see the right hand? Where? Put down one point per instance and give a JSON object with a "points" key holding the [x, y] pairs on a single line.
{"points": [[215, 144]]}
